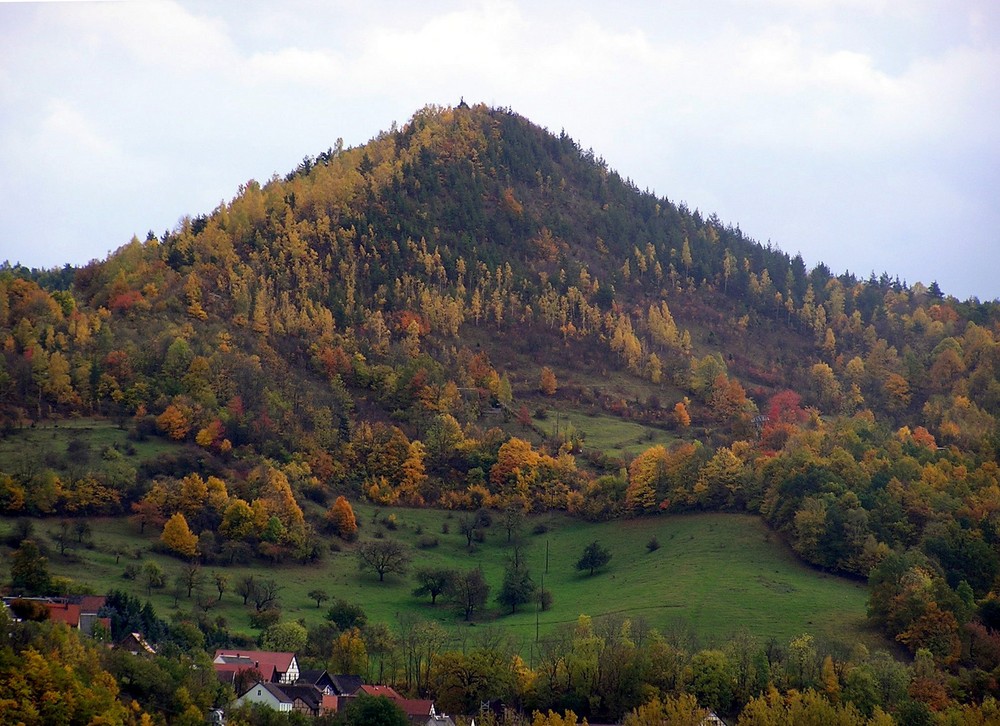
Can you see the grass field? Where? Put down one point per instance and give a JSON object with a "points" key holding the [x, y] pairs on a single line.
{"points": [[612, 435], [48, 445], [714, 574]]}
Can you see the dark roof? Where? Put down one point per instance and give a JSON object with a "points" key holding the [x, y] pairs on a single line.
{"points": [[345, 685], [271, 688], [319, 678], [281, 662], [240, 660], [309, 694]]}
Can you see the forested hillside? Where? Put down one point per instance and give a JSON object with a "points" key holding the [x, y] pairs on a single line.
{"points": [[398, 323]]}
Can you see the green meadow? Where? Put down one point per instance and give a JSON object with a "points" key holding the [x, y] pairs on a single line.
{"points": [[713, 575], [610, 434], [75, 442]]}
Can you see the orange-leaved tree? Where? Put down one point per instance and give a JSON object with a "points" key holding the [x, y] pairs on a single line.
{"points": [[547, 381], [341, 519]]}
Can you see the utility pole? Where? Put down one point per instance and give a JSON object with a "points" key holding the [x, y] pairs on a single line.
{"points": [[538, 606]]}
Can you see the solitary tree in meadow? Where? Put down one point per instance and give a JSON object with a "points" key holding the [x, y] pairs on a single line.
{"points": [[595, 556], [385, 556]]}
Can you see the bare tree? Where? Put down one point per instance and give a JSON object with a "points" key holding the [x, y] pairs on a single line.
{"points": [[512, 520], [82, 529], [61, 535], [191, 577], [469, 592], [221, 583], [265, 594], [245, 587], [383, 556], [467, 525]]}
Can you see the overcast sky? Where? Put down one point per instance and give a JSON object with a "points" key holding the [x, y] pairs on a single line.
{"points": [[861, 133]]}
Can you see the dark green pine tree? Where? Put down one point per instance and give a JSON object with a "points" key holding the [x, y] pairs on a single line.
{"points": [[517, 589]]}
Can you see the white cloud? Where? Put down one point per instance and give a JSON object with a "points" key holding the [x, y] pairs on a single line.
{"points": [[159, 34], [294, 66], [65, 130]]}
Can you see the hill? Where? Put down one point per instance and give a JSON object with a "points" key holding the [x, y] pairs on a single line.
{"points": [[469, 312]]}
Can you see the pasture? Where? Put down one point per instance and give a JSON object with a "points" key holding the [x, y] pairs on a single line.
{"points": [[713, 575]]}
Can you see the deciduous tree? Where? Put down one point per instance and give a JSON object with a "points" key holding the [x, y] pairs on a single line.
{"points": [[433, 582], [469, 592], [341, 518], [681, 710], [178, 537], [374, 711], [385, 556], [318, 595], [547, 382], [594, 557], [289, 637], [29, 573]]}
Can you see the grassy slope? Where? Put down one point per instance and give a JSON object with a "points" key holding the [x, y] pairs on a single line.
{"points": [[46, 444], [714, 573], [606, 433]]}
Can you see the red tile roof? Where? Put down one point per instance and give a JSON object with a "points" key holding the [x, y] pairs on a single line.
{"points": [[410, 706], [92, 603], [64, 613], [268, 663], [386, 691], [415, 706]]}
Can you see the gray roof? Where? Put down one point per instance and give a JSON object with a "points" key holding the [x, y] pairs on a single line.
{"points": [[271, 688]]}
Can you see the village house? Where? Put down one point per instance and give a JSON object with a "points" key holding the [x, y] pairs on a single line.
{"points": [[313, 692], [79, 613], [266, 694], [135, 644], [272, 667], [417, 710]]}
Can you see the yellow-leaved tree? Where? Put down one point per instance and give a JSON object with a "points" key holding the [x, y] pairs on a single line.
{"points": [[683, 709], [178, 537], [547, 381]]}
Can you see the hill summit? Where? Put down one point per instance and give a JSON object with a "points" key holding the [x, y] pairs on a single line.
{"points": [[462, 271]]}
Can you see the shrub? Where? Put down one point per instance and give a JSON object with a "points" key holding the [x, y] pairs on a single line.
{"points": [[265, 618], [346, 615], [653, 544], [428, 541], [545, 599], [445, 528], [540, 528]]}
